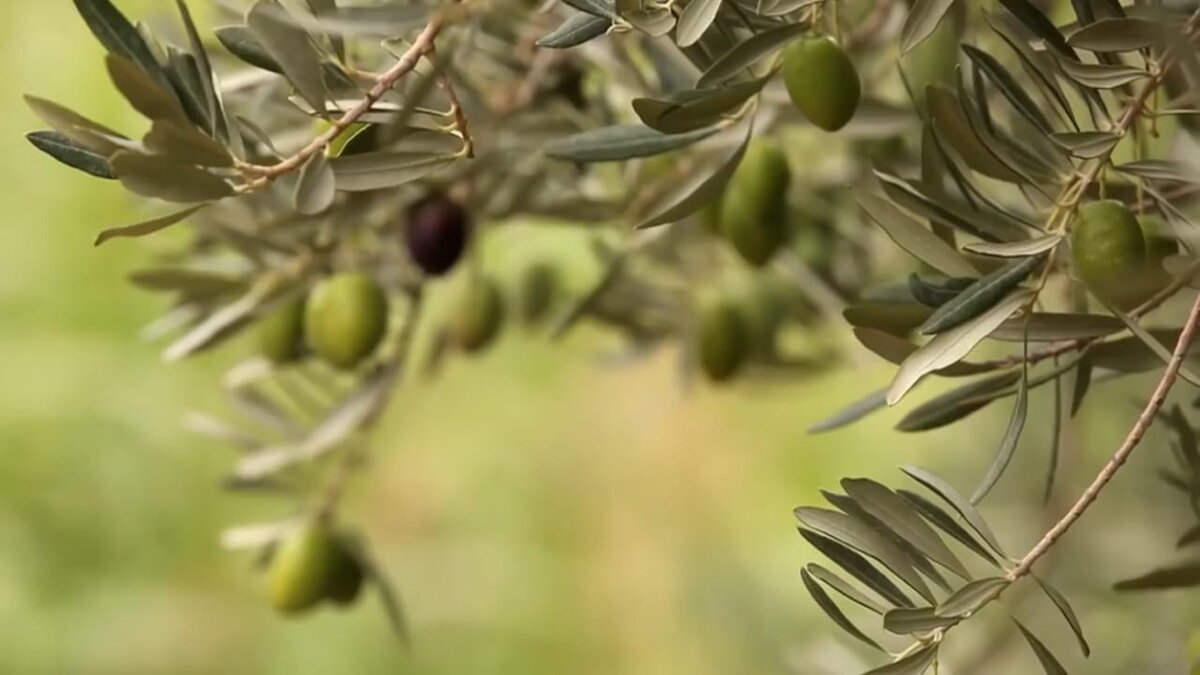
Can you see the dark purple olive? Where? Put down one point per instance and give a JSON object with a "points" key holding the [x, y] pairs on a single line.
{"points": [[436, 233]]}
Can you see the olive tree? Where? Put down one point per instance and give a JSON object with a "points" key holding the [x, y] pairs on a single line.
{"points": [[1009, 175]]}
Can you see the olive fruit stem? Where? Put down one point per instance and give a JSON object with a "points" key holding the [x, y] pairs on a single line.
{"points": [[456, 111]]}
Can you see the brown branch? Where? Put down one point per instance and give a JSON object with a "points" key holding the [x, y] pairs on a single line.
{"points": [[420, 47], [1119, 458]]}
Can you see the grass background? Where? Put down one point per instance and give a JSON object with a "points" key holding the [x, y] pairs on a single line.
{"points": [[539, 514]]}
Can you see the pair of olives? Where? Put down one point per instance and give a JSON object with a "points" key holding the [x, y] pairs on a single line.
{"points": [[342, 321], [1119, 256], [821, 81], [313, 564], [752, 212]]}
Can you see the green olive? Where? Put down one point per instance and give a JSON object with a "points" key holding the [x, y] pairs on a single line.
{"points": [[1108, 252], [821, 81], [301, 568], [281, 333], [345, 318], [753, 213], [724, 340], [538, 290], [479, 315]]}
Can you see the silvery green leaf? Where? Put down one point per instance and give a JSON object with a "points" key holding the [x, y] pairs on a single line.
{"points": [[1119, 35], [576, 30], [1101, 75], [955, 499], [749, 52], [694, 20], [980, 296], [184, 143], [954, 405], [918, 621], [240, 42], [1016, 249], [951, 346], [382, 170], [73, 154], [120, 38], [91, 135], [145, 94], [291, 47], [923, 18], [898, 516], [694, 109], [858, 567], [915, 663], [914, 237], [843, 587], [1049, 662], [1012, 435], [705, 183], [831, 609], [855, 411], [621, 142], [162, 178], [1086, 144], [147, 227], [938, 516], [316, 186], [1162, 170]]}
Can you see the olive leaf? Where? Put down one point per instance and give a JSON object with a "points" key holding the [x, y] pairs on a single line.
{"points": [[922, 20], [240, 42], [274, 27], [166, 179], [843, 587], [148, 227], [1008, 86], [954, 405], [383, 170], [694, 20], [575, 30], [898, 516], [980, 296], [145, 95], [831, 609], [1119, 35], [1050, 663], [184, 143], [1086, 144], [1012, 435], [959, 503], [952, 345], [938, 517], [73, 154], [1183, 575], [914, 238], [858, 567], [917, 621], [864, 539], [120, 38], [913, 664], [87, 133], [702, 186], [1068, 613], [621, 142], [1160, 169], [316, 187], [895, 349], [876, 400], [749, 52], [1101, 75], [694, 109]]}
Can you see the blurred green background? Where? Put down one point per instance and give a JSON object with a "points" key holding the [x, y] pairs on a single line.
{"points": [[539, 513]]}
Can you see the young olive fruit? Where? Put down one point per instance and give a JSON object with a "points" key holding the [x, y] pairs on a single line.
{"points": [[435, 233], [312, 564], [724, 340], [281, 332], [537, 290], [821, 81], [753, 213], [1108, 252], [479, 315], [345, 318]]}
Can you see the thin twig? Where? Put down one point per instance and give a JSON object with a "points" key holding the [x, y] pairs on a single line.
{"points": [[422, 46], [456, 110]]}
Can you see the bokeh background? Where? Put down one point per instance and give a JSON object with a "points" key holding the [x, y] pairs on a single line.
{"points": [[539, 512]]}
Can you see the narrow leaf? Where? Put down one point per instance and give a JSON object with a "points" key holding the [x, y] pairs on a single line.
{"points": [[316, 186], [1049, 662], [153, 176], [971, 597], [855, 411], [147, 227], [383, 170], [980, 296], [937, 516], [694, 20], [575, 31], [898, 516], [951, 346], [922, 20], [750, 51], [914, 237], [831, 609], [703, 186], [290, 46], [913, 664], [956, 500], [617, 143], [843, 587], [858, 567], [1012, 435], [1119, 35], [1068, 613], [74, 155], [1015, 249], [917, 621], [1185, 575]]}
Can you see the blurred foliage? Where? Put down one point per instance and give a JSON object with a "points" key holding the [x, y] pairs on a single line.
{"points": [[615, 525]]}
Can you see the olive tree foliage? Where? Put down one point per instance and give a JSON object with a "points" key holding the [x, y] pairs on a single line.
{"points": [[332, 159]]}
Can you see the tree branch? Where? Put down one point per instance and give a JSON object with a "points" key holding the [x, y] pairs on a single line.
{"points": [[420, 47]]}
